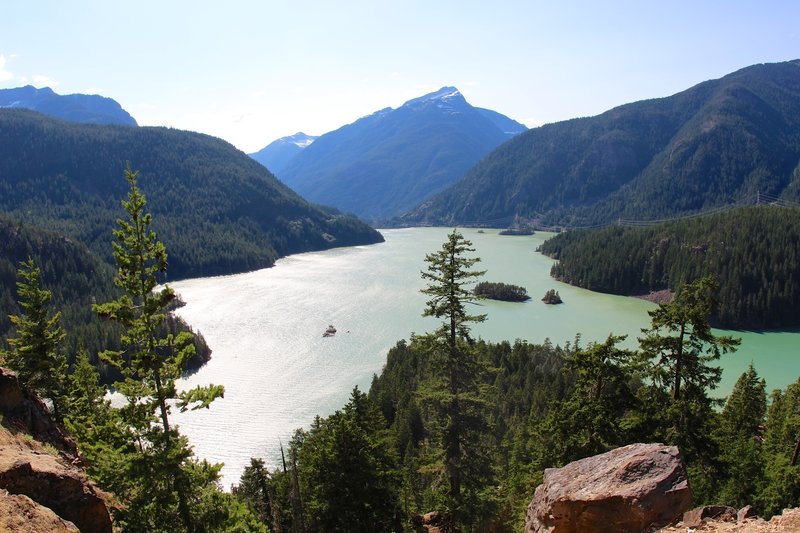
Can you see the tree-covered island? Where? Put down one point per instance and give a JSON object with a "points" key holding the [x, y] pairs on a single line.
{"points": [[501, 291]]}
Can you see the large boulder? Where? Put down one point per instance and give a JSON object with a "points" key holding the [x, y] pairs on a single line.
{"points": [[629, 489]]}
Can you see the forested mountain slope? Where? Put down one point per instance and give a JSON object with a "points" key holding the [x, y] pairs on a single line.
{"points": [[708, 146], [751, 252], [216, 210], [76, 278], [391, 160]]}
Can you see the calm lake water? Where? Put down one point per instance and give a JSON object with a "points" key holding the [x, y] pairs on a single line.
{"points": [[265, 329]]}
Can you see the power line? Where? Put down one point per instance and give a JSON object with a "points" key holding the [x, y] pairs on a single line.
{"points": [[759, 198]]}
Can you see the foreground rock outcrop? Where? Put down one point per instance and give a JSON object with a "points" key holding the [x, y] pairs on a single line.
{"points": [[39, 461], [21, 514], [787, 522], [629, 489]]}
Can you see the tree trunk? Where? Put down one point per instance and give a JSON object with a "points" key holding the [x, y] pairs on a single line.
{"points": [[676, 391], [274, 511]]}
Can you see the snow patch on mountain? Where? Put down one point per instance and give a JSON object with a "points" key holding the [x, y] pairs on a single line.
{"points": [[445, 98], [299, 139]]}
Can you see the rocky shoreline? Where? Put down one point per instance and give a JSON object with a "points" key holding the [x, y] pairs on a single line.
{"points": [[663, 296]]}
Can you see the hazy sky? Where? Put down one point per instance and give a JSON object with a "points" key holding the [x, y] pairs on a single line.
{"points": [[251, 72]]}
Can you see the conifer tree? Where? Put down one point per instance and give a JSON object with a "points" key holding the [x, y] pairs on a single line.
{"points": [[590, 421], [455, 388], [34, 353], [150, 363], [681, 343], [448, 275], [254, 490], [348, 470], [781, 487], [677, 355], [741, 434], [96, 425]]}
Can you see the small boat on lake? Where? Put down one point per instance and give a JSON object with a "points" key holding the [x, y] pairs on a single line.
{"points": [[330, 332]]}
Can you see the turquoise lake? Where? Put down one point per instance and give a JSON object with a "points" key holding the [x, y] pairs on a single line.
{"points": [[265, 329]]}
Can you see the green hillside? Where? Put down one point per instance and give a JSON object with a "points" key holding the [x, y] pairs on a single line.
{"points": [[77, 278], [216, 210], [705, 147], [752, 252]]}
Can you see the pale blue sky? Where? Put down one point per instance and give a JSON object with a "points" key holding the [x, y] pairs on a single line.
{"points": [[251, 72]]}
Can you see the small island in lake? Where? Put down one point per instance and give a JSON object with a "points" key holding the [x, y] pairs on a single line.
{"points": [[501, 291], [552, 297]]}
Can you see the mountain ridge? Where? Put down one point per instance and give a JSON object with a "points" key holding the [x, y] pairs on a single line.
{"points": [[277, 154], [390, 160], [83, 108], [698, 149], [217, 210]]}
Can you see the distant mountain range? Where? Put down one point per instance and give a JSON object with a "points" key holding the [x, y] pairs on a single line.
{"points": [[278, 153], [391, 160], [216, 210], [84, 108], [708, 146]]}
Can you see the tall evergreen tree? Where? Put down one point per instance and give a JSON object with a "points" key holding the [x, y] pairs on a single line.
{"points": [[448, 275], [681, 343], [740, 434], [455, 389], [34, 353], [150, 363], [97, 427], [348, 470], [254, 489], [781, 487], [677, 354]]}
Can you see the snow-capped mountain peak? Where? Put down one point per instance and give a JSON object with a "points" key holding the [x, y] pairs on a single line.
{"points": [[299, 139], [447, 98], [277, 154]]}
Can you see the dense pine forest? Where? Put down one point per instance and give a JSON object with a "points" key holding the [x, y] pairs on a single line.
{"points": [[752, 252], [76, 277], [217, 210]]}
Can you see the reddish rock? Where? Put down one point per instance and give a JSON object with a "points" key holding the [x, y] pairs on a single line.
{"points": [[629, 489], [22, 515], [62, 488], [788, 522], [697, 516], [38, 460], [745, 512], [25, 413]]}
